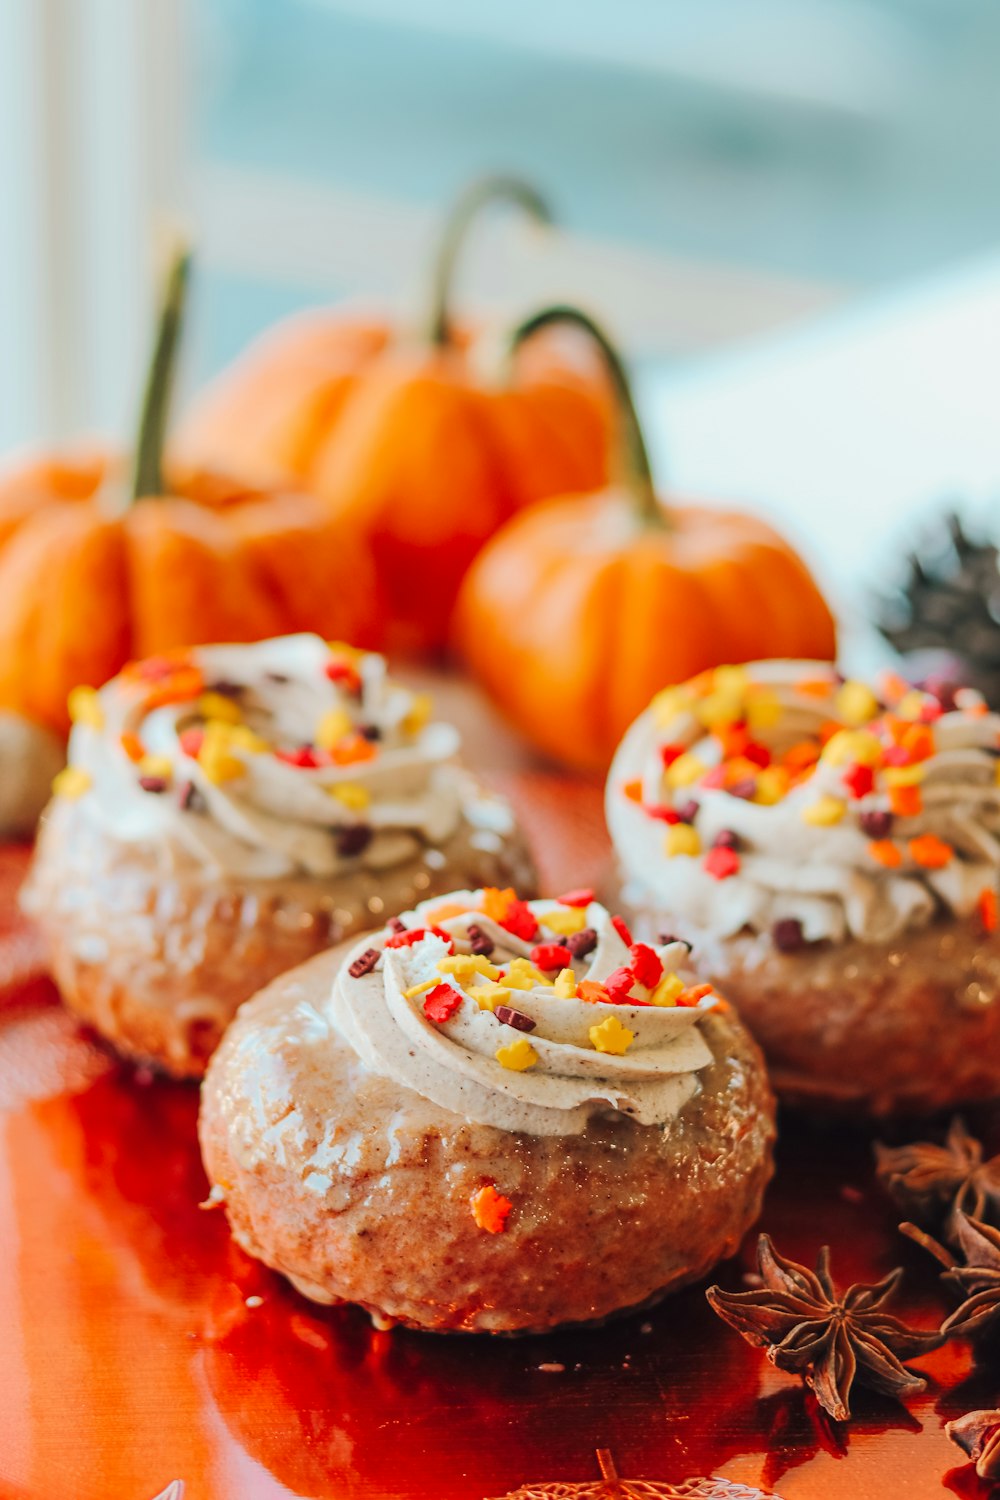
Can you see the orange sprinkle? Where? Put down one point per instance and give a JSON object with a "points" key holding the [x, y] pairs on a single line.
{"points": [[905, 801], [828, 729], [976, 710], [184, 684], [886, 853], [496, 903], [930, 852], [918, 740], [702, 684], [633, 790], [353, 750], [693, 994], [893, 686], [491, 1209], [739, 769], [734, 739], [987, 909], [132, 745], [592, 992], [802, 756], [445, 910], [815, 687]]}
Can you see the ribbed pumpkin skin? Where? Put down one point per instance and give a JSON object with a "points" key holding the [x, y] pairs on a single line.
{"points": [[89, 582], [577, 612], [417, 456]]}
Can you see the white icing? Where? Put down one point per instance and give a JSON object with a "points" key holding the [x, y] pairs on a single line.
{"points": [[276, 819], [822, 876], [454, 1063]]}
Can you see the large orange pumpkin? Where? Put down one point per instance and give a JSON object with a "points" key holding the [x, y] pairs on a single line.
{"points": [[94, 571], [581, 608], [419, 456]]}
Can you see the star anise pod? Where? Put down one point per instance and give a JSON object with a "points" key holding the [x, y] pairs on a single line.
{"points": [[975, 1277], [934, 1184], [978, 1435], [806, 1325]]}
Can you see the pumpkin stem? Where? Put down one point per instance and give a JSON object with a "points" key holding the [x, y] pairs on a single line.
{"points": [[637, 474], [147, 475], [466, 209]]}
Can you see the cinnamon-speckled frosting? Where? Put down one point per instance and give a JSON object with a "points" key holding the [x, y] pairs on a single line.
{"points": [[285, 757], [526, 1016], [778, 797]]}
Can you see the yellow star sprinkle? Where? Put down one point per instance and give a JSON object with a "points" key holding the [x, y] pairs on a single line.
{"points": [[489, 996], [518, 1056], [353, 796], [668, 704], [419, 715], [156, 765], [855, 703], [666, 992], [719, 708], [332, 728], [772, 784], [521, 968], [465, 965], [565, 920], [612, 1037], [681, 838], [824, 812], [904, 775], [72, 782], [731, 680], [852, 744], [565, 985], [763, 708], [686, 769], [218, 706], [84, 704], [910, 705]]}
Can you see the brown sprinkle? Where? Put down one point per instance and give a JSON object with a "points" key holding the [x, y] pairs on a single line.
{"points": [[516, 1018], [479, 942], [583, 942], [364, 963]]}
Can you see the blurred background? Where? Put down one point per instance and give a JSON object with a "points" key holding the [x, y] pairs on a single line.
{"points": [[786, 210]]}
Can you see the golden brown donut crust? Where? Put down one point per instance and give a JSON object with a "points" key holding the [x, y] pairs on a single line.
{"points": [[157, 956], [602, 1222], [906, 1027]]}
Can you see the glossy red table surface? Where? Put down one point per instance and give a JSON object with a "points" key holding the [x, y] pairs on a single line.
{"points": [[131, 1359]]}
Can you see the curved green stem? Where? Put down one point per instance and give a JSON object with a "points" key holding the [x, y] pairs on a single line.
{"points": [[147, 473], [637, 474], [467, 208]]}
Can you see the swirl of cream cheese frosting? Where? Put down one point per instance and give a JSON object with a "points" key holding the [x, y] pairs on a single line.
{"points": [[778, 793], [289, 756], [513, 1045]]}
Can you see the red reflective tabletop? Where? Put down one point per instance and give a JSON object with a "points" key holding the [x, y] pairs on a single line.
{"points": [[130, 1356]]}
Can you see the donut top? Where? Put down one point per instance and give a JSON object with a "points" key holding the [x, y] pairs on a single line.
{"points": [[287, 756], [527, 1016], [780, 798]]}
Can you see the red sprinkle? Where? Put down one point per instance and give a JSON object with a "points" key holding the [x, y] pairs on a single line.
{"points": [[582, 897], [758, 755], [721, 862], [859, 780], [408, 937], [670, 753], [520, 920], [664, 814], [621, 927], [714, 778], [617, 986], [441, 1003], [345, 674], [646, 965], [191, 741], [551, 956], [306, 757]]}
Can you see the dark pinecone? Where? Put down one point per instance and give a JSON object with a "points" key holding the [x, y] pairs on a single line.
{"points": [[949, 603]]}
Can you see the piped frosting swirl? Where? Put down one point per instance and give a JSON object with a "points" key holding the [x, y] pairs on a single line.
{"points": [[527, 1016], [289, 756], [779, 798]]}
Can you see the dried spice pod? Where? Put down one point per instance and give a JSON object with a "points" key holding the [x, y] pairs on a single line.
{"points": [[978, 1436], [934, 1184], [831, 1338], [975, 1277]]}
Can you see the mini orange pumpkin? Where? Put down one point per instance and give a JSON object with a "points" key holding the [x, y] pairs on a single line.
{"points": [[583, 607], [92, 575], [419, 457]]}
